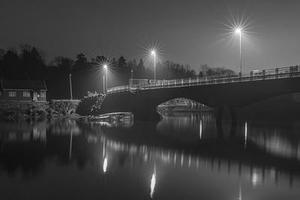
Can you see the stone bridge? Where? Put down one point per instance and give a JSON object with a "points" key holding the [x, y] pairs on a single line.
{"points": [[230, 92]]}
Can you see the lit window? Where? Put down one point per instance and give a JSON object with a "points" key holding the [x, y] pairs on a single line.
{"points": [[12, 93], [26, 94]]}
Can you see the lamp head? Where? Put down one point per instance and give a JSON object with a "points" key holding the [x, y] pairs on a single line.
{"points": [[153, 52], [238, 30], [105, 66]]}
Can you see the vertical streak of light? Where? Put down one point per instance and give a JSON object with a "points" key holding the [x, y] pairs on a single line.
{"points": [[246, 134], [175, 158], [241, 58], [71, 143], [200, 130], [153, 183], [240, 193], [181, 160], [105, 165], [103, 148], [154, 66]]}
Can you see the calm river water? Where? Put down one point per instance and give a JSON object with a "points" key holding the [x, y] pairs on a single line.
{"points": [[181, 157]]}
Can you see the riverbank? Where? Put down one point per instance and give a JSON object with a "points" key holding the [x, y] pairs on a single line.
{"points": [[23, 110], [39, 110]]}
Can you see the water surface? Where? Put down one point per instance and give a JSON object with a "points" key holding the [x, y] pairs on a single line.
{"points": [[181, 157]]}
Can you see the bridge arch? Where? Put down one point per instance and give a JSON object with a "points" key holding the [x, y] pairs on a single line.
{"points": [[181, 104]]}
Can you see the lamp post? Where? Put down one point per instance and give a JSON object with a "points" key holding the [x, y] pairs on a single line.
{"points": [[131, 77], [239, 32], [153, 53], [70, 84], [105, 78]]}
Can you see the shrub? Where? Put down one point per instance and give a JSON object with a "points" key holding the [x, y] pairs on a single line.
{"points": [[90, 105]]}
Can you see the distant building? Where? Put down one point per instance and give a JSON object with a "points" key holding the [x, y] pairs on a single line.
{"points": [[23, 90]]}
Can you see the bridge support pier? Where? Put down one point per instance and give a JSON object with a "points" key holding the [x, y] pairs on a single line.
{"points": [[226, 121]]}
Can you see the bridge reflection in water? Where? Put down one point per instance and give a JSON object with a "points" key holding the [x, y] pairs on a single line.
{"points": [[186, 148], [256, 154], [257, 171]]}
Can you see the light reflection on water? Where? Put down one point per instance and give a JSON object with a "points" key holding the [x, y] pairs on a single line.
{"points": [[184, 154], [153, 183]]}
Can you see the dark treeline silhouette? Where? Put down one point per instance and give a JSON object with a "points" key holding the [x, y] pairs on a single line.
{"points": [[218, 71], [28, 63]]}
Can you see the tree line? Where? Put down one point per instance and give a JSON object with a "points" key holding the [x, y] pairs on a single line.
{"points": [[28, 63]]}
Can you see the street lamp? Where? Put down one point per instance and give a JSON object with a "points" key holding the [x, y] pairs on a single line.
{"points": [[239, 32], [153, 53], [105, 78]]}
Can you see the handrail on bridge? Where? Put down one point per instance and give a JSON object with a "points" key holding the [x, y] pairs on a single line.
{"points": [[254, 75]]}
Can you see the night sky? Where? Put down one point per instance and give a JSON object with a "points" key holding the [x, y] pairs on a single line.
{"points": [[188, 32]]}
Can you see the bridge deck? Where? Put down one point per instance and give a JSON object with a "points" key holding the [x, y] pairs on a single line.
{"points": [[277, 73]]}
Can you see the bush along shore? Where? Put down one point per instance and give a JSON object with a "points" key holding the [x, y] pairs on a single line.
{"points": [[23, 110], [90, 105], [18, 110]]}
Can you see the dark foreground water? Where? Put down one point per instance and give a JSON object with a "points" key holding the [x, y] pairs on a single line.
{"points": [[180, 157]]}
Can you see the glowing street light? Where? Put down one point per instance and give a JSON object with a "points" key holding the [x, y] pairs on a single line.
{"points": [[105, 66], [153, 53], [105, 78], [239, 31]]}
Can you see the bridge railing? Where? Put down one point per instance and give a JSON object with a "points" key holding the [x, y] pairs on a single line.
{"points": [[255, 75], [118, 89]]}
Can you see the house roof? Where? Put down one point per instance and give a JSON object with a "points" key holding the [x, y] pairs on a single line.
{"points": [[23, 84]]}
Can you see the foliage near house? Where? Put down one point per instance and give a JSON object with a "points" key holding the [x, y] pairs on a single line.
{"points": [[15, 110], [90, 105]]}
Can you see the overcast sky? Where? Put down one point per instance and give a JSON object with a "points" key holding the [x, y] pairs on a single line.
{"points": [[188, 32]]}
